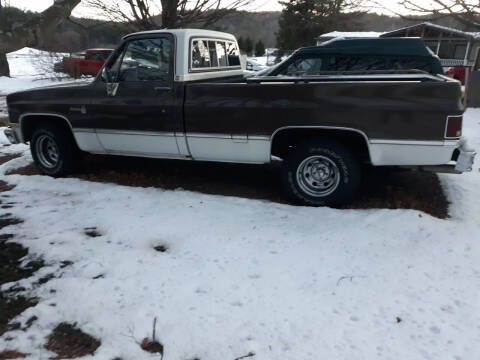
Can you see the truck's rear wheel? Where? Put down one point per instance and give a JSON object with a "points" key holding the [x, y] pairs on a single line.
{"points": [[52, 150], [321, 173]]}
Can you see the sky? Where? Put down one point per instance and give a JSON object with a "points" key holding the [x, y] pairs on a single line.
{"points": [[259, 5]]}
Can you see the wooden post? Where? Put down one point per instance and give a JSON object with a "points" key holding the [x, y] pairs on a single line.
{"points": [[465, 61], [439, 42]]}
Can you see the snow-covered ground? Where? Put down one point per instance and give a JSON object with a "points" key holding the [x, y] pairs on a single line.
{"points": [[242, 275], [31, 68], [246, 276]]}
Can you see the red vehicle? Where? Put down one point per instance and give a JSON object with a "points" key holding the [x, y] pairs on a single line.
{"points": [[458, 73], [88, 63]]}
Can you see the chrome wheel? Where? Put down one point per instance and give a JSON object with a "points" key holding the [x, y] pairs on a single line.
{"points": [[318, 176], [47, 151]]}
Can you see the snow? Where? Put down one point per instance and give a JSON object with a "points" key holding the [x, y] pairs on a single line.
{"points": [[351, 34], [242, 275], [32, 62], [447, 29], [7, 148], [246, 276], [30, 68]]}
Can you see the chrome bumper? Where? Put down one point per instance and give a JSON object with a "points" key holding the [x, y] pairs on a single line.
{"points": [[465, 158], [13, 135]]}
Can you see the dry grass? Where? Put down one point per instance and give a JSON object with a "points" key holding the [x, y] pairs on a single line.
{"points": [[12, 354], [68, 342], [381, 188]]}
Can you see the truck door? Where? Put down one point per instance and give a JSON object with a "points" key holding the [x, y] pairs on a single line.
{"points": [[134, 109]]}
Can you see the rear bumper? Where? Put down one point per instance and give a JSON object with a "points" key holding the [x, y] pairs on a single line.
{"points": [[13, 135], [466, 157], [462, 161]]}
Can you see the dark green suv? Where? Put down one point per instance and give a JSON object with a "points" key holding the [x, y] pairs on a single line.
{"points": [[352, 55]]}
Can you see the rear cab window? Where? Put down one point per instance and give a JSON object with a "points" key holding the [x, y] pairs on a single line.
{"points": [[213, 55]]}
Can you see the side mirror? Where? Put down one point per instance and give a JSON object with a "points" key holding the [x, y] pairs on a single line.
{"points": [[106, 76]]}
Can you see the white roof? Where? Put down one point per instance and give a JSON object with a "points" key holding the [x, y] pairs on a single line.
{"points": [[352, 34], [186, 33], [475, 35]]}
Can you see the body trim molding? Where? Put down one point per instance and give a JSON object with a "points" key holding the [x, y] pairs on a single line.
{"points": [[63, 117], [341, 128]]}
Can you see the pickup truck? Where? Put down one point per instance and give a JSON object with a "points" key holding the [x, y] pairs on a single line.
{"points": [[181, 94], [89, 63]]}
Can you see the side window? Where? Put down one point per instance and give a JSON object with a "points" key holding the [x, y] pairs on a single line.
{"points": [[106, 54], [358, 63], [145, 60], [215, 54], [308, 66], [96, 56], [233, 55], [412, 63], [115, 67], [200, 54], [212, 49], [222, 54]]}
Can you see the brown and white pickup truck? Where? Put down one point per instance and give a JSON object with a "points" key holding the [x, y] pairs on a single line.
{"points": [[181, 94]]}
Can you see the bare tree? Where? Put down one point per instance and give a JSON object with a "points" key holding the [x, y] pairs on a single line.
{"points": [[33, 32], [145, 14], [467, 12]]}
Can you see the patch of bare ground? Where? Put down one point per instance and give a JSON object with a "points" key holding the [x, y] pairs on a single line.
{"points": [[11, 270], [10, 307], [68, 342], [386, 188], [92, 232], [11, 255], [7, 158], [12, 354]]}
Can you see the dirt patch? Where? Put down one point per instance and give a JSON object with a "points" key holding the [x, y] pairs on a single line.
{"points": [[10, 307], [11, 270], [402, 189], [11, 255], [161, 248], [5, 186], [381, 188], [68, 342], [7, 158], [92, 232], [6, 220], [12, 354], [153, 347]]}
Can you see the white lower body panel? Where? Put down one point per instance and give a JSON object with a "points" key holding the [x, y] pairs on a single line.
{"points": [[393, 152], [253, 150], [247, 149]]}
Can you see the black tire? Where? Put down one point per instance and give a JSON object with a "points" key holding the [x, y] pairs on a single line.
{"points": [[49, 140], [321, 173]]}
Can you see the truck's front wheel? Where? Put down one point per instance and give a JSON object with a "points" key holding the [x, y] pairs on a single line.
{"points": [[52, 150], [321, 173]]}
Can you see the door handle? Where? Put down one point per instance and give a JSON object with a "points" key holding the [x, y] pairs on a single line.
{"points": [[162, 88], [82, 109]]}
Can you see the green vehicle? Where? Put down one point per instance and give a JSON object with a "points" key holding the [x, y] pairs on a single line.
{"points": [[359, 55]]}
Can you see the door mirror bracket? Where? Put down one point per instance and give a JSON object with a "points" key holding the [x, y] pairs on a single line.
{"points": [[111, 87]]}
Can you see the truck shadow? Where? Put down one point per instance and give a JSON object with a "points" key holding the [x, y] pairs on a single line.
{"points": [[381, 187]]}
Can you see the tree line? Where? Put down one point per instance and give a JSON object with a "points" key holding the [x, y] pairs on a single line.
{"points": [[248, 47]]}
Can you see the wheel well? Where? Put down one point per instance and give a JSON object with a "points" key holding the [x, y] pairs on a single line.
{"points": [[30, 122], [285, 139]]}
